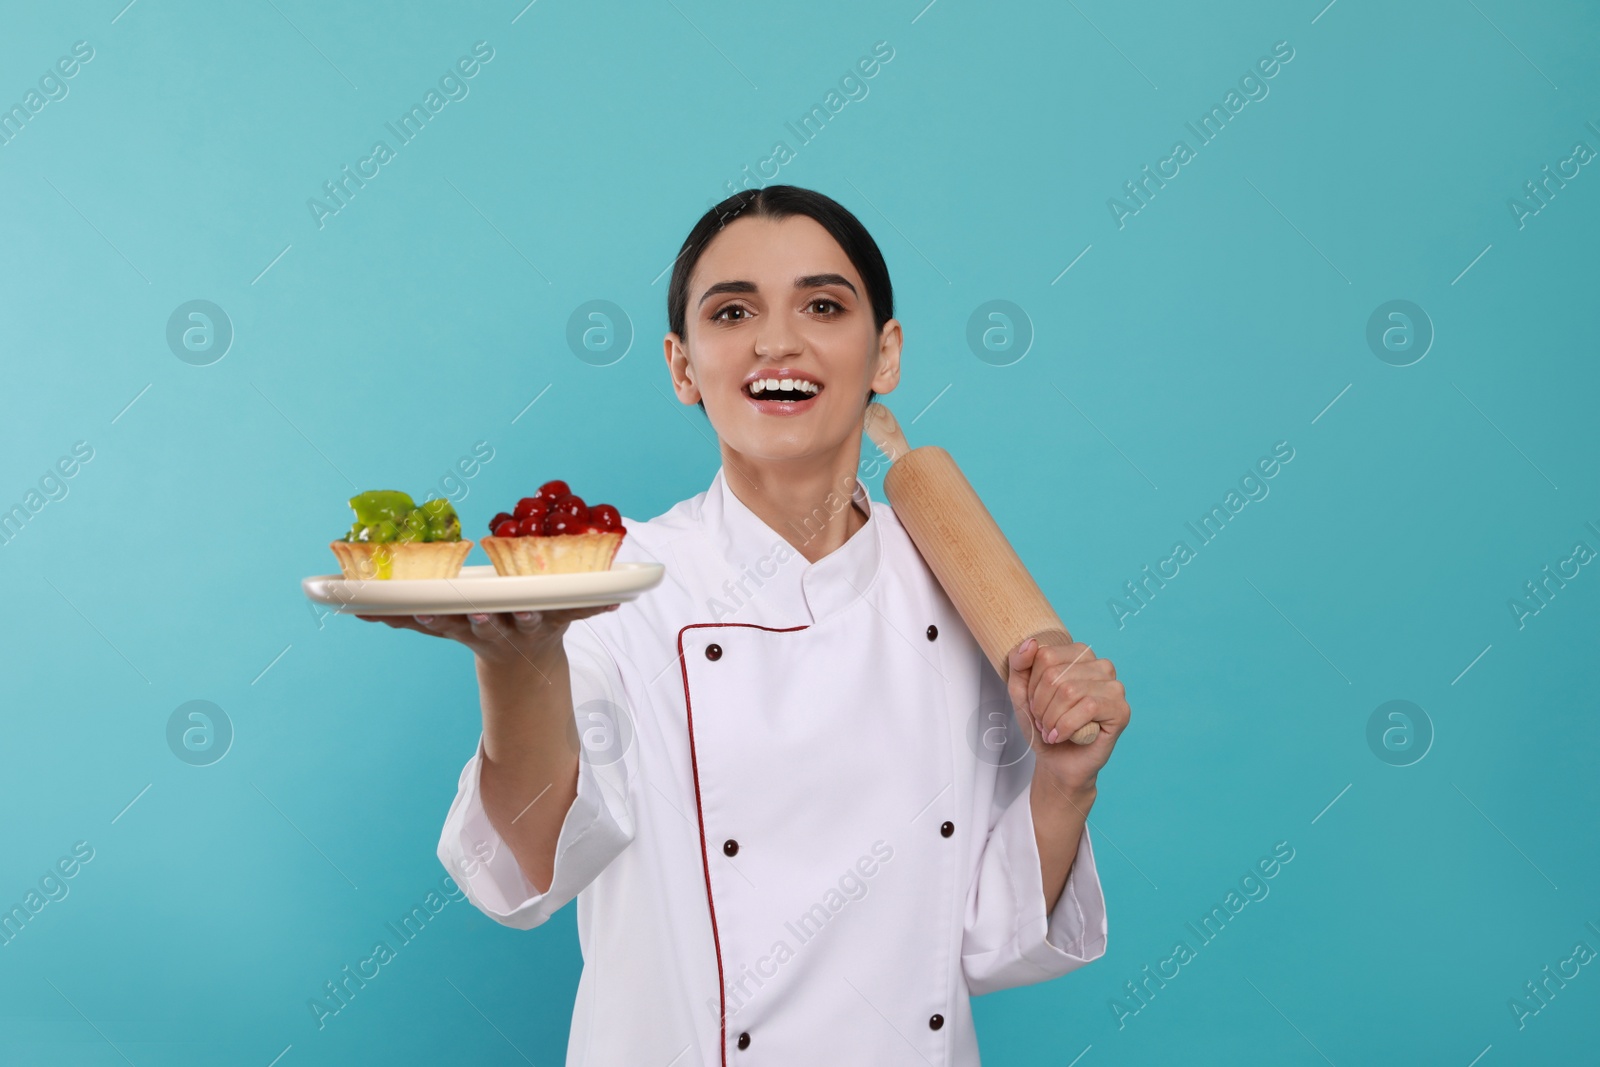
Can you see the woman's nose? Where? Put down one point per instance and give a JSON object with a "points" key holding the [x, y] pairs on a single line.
{"points": [[777, 337]]}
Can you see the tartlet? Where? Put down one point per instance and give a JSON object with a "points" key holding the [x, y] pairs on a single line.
{"points": [[554, 532], [396, 538]]}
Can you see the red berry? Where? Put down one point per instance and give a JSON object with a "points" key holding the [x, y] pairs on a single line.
{"points": [[559, 522], [507, 528], [532, 526], [529, 505], [605, 516], [554, 489], [494, 523], [573, 505], [592, 528]]}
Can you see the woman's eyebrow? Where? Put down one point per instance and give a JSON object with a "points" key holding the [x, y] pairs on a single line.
{"points": [[726, 287], [812, 281], [809, 281]]}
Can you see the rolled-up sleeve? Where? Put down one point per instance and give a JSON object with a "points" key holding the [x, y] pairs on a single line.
{"points": [[598, 825], [1008, 939]]}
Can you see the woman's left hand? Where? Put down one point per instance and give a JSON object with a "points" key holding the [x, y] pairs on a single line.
{"points": [[1062, 688]]}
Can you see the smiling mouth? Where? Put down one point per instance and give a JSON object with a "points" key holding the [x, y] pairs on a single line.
{"points": [[791, 390]]}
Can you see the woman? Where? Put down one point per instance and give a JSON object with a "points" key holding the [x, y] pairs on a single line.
{"points": [[787, 822]]}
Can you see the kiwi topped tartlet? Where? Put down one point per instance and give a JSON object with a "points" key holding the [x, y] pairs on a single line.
{"points": [[395, 537]]}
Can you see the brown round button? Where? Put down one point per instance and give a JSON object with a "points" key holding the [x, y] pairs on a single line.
{"points": [[933, 631], [935, 1021], [713, 652], [730, 847], [744, 1040], [947, 829]]}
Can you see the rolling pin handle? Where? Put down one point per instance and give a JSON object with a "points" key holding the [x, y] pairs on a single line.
{"points": [[970, 557], [884, 431]]}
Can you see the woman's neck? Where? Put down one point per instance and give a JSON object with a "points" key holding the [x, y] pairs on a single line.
{"points": [[810, 504]]}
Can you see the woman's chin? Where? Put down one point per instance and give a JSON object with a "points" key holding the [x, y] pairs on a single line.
{"points": [[783, 444]]}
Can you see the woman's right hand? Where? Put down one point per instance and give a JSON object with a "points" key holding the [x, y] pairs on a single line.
{"points": [[495, 638]]}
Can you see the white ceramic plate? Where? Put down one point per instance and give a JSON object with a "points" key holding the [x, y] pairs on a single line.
{"points": [[479, 588]]}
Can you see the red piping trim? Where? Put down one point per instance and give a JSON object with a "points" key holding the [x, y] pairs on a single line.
{"points": [[705, 860]]}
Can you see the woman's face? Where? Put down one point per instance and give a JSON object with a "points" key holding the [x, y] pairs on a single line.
{"points": [[773, 300]]}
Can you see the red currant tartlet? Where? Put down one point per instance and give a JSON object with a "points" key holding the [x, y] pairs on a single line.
{"points": [[554, 532]]}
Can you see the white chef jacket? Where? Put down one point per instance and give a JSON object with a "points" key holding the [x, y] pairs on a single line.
{"points": [[802, 830]]}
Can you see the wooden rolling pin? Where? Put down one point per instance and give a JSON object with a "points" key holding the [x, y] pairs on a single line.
{"points": [[962, 544]]}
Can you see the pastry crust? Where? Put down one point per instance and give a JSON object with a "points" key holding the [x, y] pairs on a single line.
{"points": [[361, 560], [554, 554]]}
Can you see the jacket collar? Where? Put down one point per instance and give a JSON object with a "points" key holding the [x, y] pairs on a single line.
{"points": [[770, 579]]}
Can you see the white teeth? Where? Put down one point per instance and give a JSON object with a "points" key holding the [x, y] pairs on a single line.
{"points": [[783, 385]]}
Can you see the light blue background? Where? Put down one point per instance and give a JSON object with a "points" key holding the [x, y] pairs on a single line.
{"points": [[1227, 315]]}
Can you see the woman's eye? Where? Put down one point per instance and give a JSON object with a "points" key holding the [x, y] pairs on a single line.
{"points": [[827, 306], [729, 313]]}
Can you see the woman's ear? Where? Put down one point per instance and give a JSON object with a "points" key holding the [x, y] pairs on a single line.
{"points": [[677, 355], [887, 375]]}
